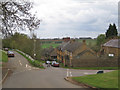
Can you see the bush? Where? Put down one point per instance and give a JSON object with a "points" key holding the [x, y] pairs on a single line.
{"points": [[35, 63]]}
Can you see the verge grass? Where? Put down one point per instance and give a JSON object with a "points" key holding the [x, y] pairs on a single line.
{"points": [[93, 68], [35, 63], [4, 57], [105, 80]]}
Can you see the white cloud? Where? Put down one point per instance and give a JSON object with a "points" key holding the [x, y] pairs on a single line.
{"points": [[74, 17]]}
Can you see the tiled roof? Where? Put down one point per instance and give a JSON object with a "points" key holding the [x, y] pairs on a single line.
{"points": [[53, 53], [113, 43], [70, 46]]}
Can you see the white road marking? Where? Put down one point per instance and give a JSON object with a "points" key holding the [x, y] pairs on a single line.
{"points": [[26, 65], [35, 68], [88, 73], [67, 72], [71, 74], [85, 73], [20, 62]]}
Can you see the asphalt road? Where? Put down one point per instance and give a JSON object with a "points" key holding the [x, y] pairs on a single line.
{"points": [[26, 76]]}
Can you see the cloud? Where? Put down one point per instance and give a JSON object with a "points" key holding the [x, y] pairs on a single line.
{"points": [[74, 17]]}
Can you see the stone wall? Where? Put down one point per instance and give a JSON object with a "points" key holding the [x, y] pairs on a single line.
{"points": [[99, 62]]}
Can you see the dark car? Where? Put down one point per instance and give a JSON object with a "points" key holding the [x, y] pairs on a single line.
{"points": [[10, 54], [56, 64]]}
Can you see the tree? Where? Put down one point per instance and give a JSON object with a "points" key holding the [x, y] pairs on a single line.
{"points": [[24, 43], [16, 17], [115, 30], [112, 31], [100, 39]]}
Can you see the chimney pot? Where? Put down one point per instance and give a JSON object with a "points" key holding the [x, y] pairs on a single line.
{"points": [[84, 41]]}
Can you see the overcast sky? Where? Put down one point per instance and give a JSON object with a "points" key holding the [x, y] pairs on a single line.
{"points": [[74, 18]]}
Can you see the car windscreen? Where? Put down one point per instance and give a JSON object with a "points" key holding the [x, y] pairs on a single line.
{"points": [[10, 52]]}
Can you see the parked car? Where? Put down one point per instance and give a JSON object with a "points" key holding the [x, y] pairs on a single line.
{"points": [[53, 62], [6, 49], [47, 62], [10, 54], [56, 64]]}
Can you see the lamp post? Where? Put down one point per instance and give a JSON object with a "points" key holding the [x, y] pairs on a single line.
{"points": [[34, 48]]}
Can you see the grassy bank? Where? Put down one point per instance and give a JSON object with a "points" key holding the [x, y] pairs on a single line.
{"points": [[35, 63], [105, 80], [4, 57]]}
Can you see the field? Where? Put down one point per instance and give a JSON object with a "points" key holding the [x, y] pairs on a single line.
{"points": [[47, 45], [106, 80], [90, 42]]}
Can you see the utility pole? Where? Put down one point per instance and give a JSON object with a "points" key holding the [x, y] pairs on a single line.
{"points": [[34, 48]]}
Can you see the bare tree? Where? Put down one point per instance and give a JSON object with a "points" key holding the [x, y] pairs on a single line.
{"points": [[16, 16]]}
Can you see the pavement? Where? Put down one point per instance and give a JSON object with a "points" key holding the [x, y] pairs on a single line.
{"points": [[26, 76]]}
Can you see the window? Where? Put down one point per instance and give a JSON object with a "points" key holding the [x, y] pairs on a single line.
{"points": [[67, 57], [111, 55]]}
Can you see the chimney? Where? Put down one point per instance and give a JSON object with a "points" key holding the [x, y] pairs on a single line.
{"points": [[84, 41], [66, 39], [84, 44]]}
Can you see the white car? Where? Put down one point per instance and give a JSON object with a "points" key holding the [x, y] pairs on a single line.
{"points": [[53, 62], [47, 62]]}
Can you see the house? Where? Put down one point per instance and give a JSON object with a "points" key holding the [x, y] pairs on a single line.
{"points": [[111, 48], [46, 52], [72, 52], [49, 53], [53, 55], [66, 39]]}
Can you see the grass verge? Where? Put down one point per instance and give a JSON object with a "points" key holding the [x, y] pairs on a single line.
{"points": [[34, 63], [4, 57], [93, 68], [103, 81]]}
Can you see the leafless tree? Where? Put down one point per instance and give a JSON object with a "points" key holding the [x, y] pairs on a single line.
{"points": [[16, 16]]}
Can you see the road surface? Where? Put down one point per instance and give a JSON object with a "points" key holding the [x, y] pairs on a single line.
{"points": [[26, 76]]}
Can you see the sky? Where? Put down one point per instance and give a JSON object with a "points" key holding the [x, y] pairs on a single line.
{"points": [[74, 18]]}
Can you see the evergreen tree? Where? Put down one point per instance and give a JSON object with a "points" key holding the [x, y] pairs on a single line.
{"points": [[108, 33], [112, 31], [115, 30]]}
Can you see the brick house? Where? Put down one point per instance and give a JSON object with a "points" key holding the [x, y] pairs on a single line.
{"points": [[46, 53], [70, 53], [111, 48], [66, 39], [53, 55]]}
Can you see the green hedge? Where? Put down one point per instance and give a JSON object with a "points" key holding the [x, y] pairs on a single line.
{"points": [[35, 63]]}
